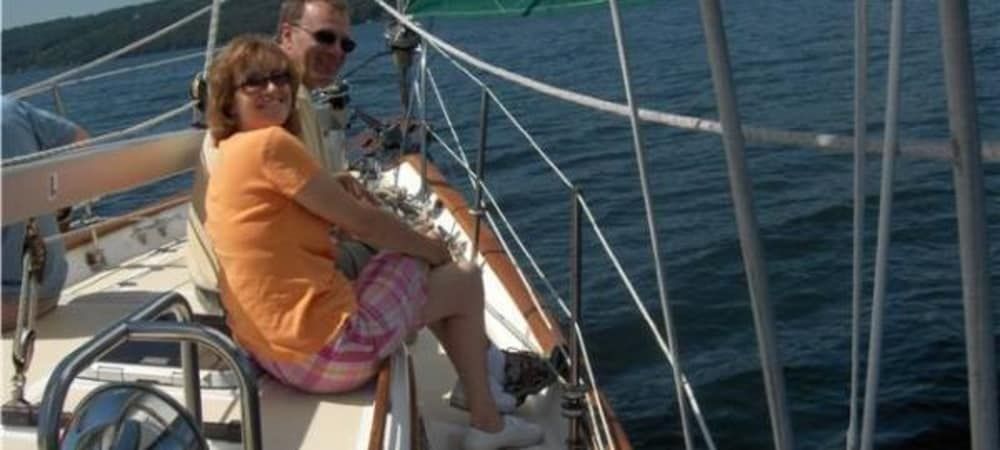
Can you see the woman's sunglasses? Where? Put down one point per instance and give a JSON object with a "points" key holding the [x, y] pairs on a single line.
{"points": [[329, 37], [257, 82]]}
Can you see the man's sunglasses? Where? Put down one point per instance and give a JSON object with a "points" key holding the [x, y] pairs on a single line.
{"points": [[256, 82], [329, 37]]}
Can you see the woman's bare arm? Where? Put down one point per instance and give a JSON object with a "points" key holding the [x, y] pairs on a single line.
{"points": [[326, 197]]}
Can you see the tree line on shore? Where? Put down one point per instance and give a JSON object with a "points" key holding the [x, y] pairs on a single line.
{"points": [[75, 40]]}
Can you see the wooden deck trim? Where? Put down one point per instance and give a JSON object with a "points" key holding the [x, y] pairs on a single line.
{"points": [[618, 435], [381, 408], [77, 238], [416, 420], [494, 254]]}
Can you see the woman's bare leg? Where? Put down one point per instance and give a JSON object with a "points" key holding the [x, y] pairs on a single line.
{"points": [[454, 313]]}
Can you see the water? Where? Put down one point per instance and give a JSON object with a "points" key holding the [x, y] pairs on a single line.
{"points": [[793, 69]]}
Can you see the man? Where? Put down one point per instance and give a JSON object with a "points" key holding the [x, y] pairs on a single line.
{"points": [[27, 129], [315, 34]]}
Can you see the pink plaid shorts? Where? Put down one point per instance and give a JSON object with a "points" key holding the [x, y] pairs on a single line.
{"points": [[391, 292]]}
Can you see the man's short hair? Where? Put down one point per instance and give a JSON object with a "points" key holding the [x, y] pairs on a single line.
{"points": [[291, 10]]}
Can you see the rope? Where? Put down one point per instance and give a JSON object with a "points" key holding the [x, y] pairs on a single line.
{"points": [[884, 222], [651, 325], [759, 135], [447, 119], [860, 128], [364, 63], [213, 32], [55, 80], [25, 159], [651, 228], [139, 67]]}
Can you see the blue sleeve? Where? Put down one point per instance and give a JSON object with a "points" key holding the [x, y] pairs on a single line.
{"points": [[50, 129]]}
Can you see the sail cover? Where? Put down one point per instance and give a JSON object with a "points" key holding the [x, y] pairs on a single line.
{"points": [[453, 8]]}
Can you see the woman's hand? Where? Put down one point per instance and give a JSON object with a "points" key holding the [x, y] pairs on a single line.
{"points": [[438, 253]]}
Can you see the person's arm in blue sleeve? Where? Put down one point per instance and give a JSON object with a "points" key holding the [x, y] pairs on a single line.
{"points": [[52, 130]]}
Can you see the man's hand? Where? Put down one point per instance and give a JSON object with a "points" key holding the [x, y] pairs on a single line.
{"points": [[355, 188]]}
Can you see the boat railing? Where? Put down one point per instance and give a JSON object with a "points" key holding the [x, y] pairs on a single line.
{"points": [[140, 326], [498, 220], [965, 151]]}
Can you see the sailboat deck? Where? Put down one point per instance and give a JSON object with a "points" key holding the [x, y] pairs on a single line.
{"points": [[287, 417]]}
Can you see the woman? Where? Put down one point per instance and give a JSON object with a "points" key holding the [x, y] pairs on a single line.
{"points": [[270, 211]]}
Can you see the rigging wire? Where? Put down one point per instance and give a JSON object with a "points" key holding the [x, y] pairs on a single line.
{"points": [[517, 239], [751, 247], [123, 70], [752, 134], [56, 79], [884, 222], [213, 32], [623, 276], [651, 227], [860, 129]]}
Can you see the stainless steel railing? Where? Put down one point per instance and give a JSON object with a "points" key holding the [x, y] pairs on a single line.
{"points": [[138, 327]]}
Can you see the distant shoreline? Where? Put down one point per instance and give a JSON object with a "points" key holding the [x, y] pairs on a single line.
{"points": [[75, 40]]}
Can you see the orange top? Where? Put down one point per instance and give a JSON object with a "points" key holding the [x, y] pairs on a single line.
{"points": [[284, 299]]}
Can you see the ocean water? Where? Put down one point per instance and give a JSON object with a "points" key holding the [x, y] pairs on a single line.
{"points": [[793, 67]]}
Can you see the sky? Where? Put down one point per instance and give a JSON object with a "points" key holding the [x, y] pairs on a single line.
{"points": [[24, 12]]}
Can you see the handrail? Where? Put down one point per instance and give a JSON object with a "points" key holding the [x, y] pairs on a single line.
{"points": [[132, 328], [176, 304], [938, 149]]}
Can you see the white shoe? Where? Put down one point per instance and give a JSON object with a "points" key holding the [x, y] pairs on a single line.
{"points": [[505, 402], [516, 432]]}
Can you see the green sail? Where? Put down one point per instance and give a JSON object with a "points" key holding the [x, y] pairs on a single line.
{"points": [[458, 8]]}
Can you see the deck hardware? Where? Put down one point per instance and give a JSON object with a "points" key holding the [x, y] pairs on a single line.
{"points": [[575, 392], [138, 327], [95, 257], [480, 170], [23, 343]]}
